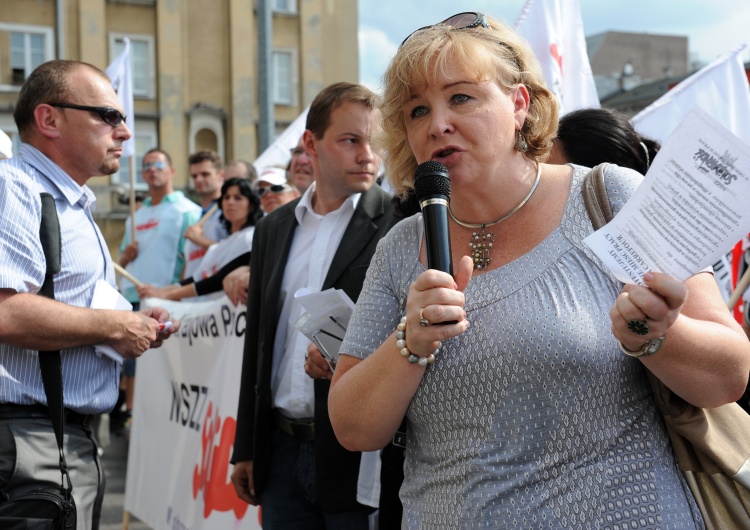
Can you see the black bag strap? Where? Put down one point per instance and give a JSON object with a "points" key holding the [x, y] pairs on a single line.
{"points": [[49, 361]]}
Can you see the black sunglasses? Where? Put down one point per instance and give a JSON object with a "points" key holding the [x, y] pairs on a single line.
{"points": [[465, 20], [109, 115], [276, 188]]}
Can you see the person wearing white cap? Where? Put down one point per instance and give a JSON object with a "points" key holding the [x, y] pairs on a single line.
{"points": [[6, 146], [274, 189]]}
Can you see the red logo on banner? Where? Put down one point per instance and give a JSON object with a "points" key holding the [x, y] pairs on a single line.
{"points": [[556, 55], [212, 473]]}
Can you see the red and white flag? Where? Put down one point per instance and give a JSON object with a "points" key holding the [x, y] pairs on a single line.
{"points": [[721, 89], [554, 29], [119, 72]]}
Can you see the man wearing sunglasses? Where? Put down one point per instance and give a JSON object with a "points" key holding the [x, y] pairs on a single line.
{"points": [[72, 129], [274, 189], [157, 255], [285, 453]]}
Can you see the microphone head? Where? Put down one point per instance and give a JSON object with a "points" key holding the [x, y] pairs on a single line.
{"points": [[431, 178]]}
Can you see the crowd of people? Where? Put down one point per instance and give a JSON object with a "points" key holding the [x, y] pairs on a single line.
{"points": [[495, 397]]}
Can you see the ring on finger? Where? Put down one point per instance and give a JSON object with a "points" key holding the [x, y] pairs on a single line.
{"points": [[639, 327], [422, 320]]}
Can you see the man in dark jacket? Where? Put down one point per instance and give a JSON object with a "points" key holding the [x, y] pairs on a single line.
{"points": [[286, 455]]}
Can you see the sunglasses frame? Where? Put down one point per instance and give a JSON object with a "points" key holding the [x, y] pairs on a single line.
{"points": [[479, 20], [99, 111], [159, 165], [263, 190]]}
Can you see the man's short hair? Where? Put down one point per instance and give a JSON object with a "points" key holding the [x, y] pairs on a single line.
{"points": [[330, 98], [248, 172], [48, 83], [159, 150], [202, 156]]}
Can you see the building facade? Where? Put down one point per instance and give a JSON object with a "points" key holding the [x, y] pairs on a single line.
{"points": [[621, 60], [195, 66]]}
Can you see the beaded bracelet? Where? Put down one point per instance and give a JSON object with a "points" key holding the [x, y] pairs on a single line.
{"points": [[404, 350]]}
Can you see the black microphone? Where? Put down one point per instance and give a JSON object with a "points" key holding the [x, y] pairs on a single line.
{"points": [[433, 188]]}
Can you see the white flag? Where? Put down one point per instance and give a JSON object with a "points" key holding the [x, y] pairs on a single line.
{"points": [[6, 146], [555, 31], [721, 89], [280, 151], [122, 80]]}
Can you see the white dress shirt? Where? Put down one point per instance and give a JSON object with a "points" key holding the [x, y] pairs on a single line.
{"points": [[315, 242]]}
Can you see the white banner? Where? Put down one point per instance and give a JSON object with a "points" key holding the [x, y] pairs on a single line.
{"points": [[184, 420]]}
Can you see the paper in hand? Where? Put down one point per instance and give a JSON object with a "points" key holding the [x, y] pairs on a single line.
{"points": [[325, 316], [691, 208], [107, 297]]}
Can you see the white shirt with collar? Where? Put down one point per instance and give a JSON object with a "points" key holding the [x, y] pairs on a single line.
{"points": [[314, 245]]}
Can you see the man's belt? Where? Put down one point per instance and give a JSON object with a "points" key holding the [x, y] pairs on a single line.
{"points": [[303, 430], [10, 411]]}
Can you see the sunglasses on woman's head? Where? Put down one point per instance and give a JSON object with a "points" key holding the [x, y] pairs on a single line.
{"points": [[466, 20], [108, 115], [276, 188]]}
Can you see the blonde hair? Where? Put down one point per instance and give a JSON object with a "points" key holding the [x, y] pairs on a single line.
{"points": [[498, 53]]}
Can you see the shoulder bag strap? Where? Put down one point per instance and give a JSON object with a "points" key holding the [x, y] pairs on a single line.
{"points": [[49, 361], [595, 197]]}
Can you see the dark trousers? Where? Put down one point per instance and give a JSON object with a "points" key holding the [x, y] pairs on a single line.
{"points": [[288, 499]]}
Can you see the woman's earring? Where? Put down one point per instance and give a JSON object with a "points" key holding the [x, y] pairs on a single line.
{"points": [[521, 144]]}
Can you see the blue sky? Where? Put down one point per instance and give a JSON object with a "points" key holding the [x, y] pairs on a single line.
{"points": [[712, 26]]}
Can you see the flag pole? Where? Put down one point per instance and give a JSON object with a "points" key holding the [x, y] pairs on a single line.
{"points": [[742, 286], [125, 274], [132, 198], [208, 214]]}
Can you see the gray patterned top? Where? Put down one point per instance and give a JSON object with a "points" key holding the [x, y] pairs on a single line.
{"points": [[533, 418]]}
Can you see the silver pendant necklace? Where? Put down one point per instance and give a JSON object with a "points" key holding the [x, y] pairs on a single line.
{"points": [[481, 242]]}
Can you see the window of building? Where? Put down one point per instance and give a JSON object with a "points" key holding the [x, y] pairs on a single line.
{"points": [[285, 6], [284, 70], [206, 129], [25, 48], [141, 61], [144, 140]]}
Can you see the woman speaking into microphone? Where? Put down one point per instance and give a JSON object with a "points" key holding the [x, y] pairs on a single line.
{"points": [[532, 409]]}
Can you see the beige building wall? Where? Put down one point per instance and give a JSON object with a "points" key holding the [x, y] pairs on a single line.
{"points": [[651, 56], [243, 81], [203, 83]]}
